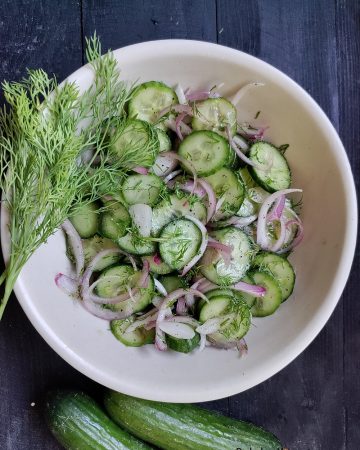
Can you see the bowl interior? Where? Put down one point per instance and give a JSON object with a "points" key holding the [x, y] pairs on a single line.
{"points": [[322, 263]]}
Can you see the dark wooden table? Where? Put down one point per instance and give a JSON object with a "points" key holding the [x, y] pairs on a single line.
{"points": [[314, 403]]}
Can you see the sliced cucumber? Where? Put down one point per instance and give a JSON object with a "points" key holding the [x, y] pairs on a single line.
{"points": [[269, 303], [122, 277], [183, 345], [149, 98], [229, 188], [177, 205], [142, 189], [172, 282], [86, 219], [272, 179], [157, 265], [180, 242], [236, 313], [137, 144], [131, 243], [279, 268], [212, 264], [207, 151], [164, 141], [136, 338], [114, 221], [96, 244], [215, 114]]}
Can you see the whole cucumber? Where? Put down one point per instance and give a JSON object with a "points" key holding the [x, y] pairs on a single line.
{"points": [[172, 426], [78, 423]]}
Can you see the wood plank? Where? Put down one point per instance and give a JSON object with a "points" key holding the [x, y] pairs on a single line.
{"points": [[303, 403], [348, 62], [127, 22], [33, 34]]}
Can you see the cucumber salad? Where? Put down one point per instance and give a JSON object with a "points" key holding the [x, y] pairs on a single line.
{"points": [[192, 242]]}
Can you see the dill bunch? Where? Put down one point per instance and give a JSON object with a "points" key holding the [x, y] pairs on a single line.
{"points": [[45, 131]]}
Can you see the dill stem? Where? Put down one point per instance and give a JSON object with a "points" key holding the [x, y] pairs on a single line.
{"points": [[3, 277]]}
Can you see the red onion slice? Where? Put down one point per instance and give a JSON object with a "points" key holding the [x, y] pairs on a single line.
{"points": [[241, 142], [241, 154], [210, 326], [177, 329], [262, 237], [140, 170], [109, 300], [181, 307], [189, 186], [239, 222], [252, 289], [187, 164], [178, 122], [244, 90], [299, 235], [176, 109], [211, 207], [164, 165], [160, 287], [278, 208], [203, 245], [195, 96], [180, 94], [172, 175], [184, 319], [67, 284], [281, 239], [76, 246]]}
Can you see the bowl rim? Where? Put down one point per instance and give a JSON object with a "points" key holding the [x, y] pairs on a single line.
{"points": [[313, 328]]}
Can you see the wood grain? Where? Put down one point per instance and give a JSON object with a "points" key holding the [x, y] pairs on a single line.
{"points": [[313, 404]]}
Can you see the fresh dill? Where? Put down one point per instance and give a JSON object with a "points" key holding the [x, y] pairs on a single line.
{"points": [[46, 131], [282, 149], [257, 114]]}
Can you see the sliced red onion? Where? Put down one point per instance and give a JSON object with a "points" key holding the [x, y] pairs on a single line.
{"points": [[178, 122], [241, 142], [76, 246], [202, 344], [278, 208], [184, 319], [225, 250], [187, 164], [172, 175], [255, 134], [212, 205], [281, 239], [244, 90], [67, 284], [180, 94], [195, 96], [239, 221], [262, 236], [203, 245], [239, 152], [176, 109], [189, 186], [109, 300], [210, 326], [177, 329], [181, 307], [242, 347], [164, 164], [160, 340], [141, 215], [143, 320], [157, 301], [160, 287], [252, 289], [157, 259], [185, 129], [227, 345], [299, 235], [140, 170]]}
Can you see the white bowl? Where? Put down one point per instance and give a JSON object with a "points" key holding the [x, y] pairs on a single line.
{"points": [[319, 165]]}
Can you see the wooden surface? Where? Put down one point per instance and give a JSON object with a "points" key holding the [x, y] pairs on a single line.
{"points": [[312, 404]]}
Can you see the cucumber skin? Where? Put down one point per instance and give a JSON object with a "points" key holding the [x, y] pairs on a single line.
{"points": [[172, 426], [78, 423]]}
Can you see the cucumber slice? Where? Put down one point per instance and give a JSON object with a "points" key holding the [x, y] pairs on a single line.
{"points": [[142, 189], [215, 114], [160, 268], [206, 150], [114, 221], [149, 98], [137, 144], [238, 322], [164, 141], [125, 276], [181, 241], [276, 178], [172, 282], [267, 305], [213, 266], [179, 204], [183, 345], [279, 268], [227, 186], [86, 220], [136, 246], [136, 338]]}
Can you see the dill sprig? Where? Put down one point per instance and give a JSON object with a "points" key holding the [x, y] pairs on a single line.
{"points": [[45, 131]]}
